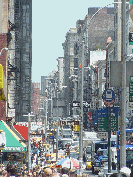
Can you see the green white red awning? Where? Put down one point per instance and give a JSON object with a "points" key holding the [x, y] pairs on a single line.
{"points": [[12, 140]]}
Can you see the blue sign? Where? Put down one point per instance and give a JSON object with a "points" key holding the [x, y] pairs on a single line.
{"points": [[108, 95], [94, 116], [103, 112], [51, 136]]}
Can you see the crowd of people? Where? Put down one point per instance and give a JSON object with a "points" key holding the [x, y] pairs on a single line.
{"points": [[12, 170]]}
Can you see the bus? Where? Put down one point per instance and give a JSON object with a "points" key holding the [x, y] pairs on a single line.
{"points": [[129, 148], [97, 144]]}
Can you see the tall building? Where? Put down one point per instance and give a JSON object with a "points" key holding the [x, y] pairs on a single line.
{"points": [[23, 57], [43, 84], [35, 99], [12, 69], [3, 55], [69, 58], [60, 61]]}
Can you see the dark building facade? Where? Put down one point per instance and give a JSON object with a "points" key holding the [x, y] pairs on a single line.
{"points": [[23, 57]]}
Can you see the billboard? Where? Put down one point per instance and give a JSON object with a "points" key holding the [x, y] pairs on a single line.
{"points": [[97, 55]]}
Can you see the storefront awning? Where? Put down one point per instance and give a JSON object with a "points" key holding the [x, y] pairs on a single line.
{"points": [[12, 140], [23, 130]]}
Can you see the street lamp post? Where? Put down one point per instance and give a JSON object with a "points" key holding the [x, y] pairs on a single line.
{"points": [[29, 142], [46, 120], [6, 49], [57, 130], [123, 89], [81, 120]]}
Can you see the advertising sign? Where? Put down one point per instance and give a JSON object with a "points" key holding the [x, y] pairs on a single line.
{"points": [[97, 55]]}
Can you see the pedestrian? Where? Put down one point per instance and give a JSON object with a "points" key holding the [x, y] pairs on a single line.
{"points": [[4, 173], [64, 172], [72, 173], [47, 172], [29, 174], [55, 174], [1, 172], [11, 170], [24, 174], [34, 174]]}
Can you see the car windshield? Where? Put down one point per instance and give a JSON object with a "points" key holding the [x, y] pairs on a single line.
{"points": [[74, 155], [66, 136], [75, 143], [88, 150]]}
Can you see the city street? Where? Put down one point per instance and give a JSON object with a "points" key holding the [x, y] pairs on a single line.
{"points": [[66, 88]]}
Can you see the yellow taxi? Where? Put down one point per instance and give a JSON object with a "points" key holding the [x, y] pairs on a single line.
{"points": [[88, 163]]}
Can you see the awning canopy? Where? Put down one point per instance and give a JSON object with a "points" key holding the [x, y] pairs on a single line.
{"points": [[12, 140], [23, 130]]}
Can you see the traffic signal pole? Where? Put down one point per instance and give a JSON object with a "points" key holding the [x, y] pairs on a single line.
{"points": [[81, 120], [109, 142], [123, 90]]}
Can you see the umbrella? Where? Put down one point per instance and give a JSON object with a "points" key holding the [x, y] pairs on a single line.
{"points": [[69, 163]]}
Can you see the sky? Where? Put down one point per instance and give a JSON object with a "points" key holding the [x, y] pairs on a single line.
{"points": [[51, 20]]}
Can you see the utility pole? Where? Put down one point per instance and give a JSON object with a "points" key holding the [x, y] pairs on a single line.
{"points": [[46, 121], [46, 124], [57, 130], [109, 142], [123, 89], [81, 120], [29, 142]]}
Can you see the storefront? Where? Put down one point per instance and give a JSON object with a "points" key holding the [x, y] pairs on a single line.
{"points": [[14, 151]]}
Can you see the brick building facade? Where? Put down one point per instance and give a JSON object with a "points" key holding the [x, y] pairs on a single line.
{"points": [[3, 59], [35, 98]]}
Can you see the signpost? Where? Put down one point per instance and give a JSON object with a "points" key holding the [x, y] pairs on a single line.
{"points": [[108, 99]]}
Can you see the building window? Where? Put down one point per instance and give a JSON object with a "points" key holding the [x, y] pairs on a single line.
{"points": [[71, 51]]}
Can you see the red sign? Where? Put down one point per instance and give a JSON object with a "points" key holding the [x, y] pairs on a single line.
{"points": [[108, 103], [89, 116]]}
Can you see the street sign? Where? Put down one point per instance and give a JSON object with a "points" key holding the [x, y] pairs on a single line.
{"points": [[76, 104], [108, 97], [102, 135], [114, 123], [86, 104], [131, 38], [102, 119], [131, 79], [103, 124], [51, 137], [131, 89]]}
